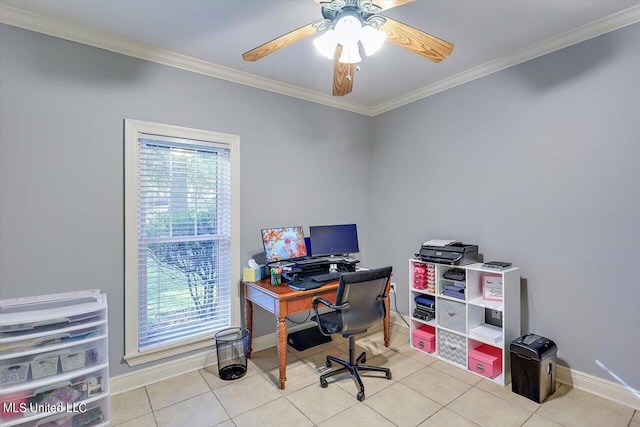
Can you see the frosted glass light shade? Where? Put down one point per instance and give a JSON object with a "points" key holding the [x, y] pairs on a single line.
{"points": [[326, 43], [348, 28], [372, 39], [349, 32], [350, 53]]}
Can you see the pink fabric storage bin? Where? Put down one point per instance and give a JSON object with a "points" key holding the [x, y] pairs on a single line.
{"points": [[424, 339], [486, 361]]}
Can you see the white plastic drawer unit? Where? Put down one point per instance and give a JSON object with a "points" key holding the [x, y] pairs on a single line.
{"points": [[54, 367], [93, 414], [452, 315]]}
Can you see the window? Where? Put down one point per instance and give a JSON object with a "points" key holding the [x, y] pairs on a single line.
{"points": [[181, 239]]}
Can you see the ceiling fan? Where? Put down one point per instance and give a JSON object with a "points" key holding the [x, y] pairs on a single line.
{"points": [[347, 24]]}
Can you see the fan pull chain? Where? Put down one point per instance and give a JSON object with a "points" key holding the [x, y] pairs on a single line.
{"points": [[349, 77]]}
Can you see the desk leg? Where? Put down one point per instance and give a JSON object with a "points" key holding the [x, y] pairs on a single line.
{"points": [[387, 320], [282, 350], [248, 318]]}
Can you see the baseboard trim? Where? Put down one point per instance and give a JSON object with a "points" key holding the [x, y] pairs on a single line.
{"points": [[599, 386], [604, 388], [202, 359], [142, 377]]}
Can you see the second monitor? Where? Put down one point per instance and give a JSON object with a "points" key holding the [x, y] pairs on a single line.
{"points": [[332, 240]]}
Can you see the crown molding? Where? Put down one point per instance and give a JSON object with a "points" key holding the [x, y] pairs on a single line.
{"points": [[76, 33], [610, 23], [52, 27]]}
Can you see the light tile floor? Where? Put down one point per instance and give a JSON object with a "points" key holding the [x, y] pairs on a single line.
{"points": [[423, 392]]}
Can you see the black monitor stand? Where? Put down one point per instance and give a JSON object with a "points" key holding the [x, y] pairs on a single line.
{"points": [[299, 272]]}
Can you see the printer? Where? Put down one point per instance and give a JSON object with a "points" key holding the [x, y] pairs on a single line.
{"points": [[448, 252]]}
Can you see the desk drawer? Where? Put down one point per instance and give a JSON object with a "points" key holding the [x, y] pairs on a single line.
{"points": [[297, 304]]}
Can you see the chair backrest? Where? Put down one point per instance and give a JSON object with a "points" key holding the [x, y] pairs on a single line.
{"points": [[365, 293]]}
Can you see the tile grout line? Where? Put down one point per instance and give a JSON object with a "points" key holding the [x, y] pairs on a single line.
{"points": [[212, 391]]}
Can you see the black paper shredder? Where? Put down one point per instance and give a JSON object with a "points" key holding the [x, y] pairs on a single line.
{"points": [[533, 367]]}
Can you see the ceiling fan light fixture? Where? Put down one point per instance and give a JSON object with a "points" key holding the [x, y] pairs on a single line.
{"points": [[326, 43], [372, 39], [347, 24], [350, 53], [348, 29]]}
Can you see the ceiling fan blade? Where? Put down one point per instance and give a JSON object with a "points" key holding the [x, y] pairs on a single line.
{"points": [[280, 42], [416, 41], [382, 4], [342, 84]]}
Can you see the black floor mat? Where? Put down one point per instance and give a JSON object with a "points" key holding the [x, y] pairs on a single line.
{"points": [[307, 338]]}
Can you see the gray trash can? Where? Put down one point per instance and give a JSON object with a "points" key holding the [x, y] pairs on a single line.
{"points": [[232, 346], [533, 367]]}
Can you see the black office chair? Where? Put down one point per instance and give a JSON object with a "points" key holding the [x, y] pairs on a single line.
{"points": [[359, 305]]}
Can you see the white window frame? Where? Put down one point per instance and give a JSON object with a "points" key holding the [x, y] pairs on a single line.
{"points": [[133, 128]]}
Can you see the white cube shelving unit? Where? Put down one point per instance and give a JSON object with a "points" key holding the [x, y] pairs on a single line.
{"points": [[486, 314]]}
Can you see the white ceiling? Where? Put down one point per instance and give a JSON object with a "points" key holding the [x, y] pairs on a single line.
{"points": [[210, 37]]}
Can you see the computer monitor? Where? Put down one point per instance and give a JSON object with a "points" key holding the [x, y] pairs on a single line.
{"points": [[334, 239], [283, 243]]}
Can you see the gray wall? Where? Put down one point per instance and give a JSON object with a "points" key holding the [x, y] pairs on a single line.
{"points": [[62, 108], [539, 165]]}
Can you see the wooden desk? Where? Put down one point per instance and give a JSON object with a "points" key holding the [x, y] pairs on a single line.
{"points": [[283, 301]]}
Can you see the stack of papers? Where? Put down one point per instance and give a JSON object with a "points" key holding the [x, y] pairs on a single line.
{"points": [[488, 333]]}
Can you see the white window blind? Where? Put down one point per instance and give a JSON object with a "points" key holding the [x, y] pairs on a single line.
{"points": [[184, 237], [182, 244]]}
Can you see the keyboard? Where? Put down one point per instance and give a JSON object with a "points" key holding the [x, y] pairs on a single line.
{"points": [[327, 277]]}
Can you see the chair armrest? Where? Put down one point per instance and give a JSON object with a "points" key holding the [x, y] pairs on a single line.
{"points": [[332, 306], [329, 304]]}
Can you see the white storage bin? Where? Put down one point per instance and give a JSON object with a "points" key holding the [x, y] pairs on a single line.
{"points": [[71, 361], [44, 365], [80, 356], [15, 373]]}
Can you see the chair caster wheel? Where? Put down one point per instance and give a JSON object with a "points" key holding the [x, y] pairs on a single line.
{"points": [[364, 359], [324, 383], [360, 396], [388, 375], [328, 363]]}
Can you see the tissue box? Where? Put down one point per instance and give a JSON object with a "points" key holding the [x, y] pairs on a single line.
{"points": [[253, 274]]}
